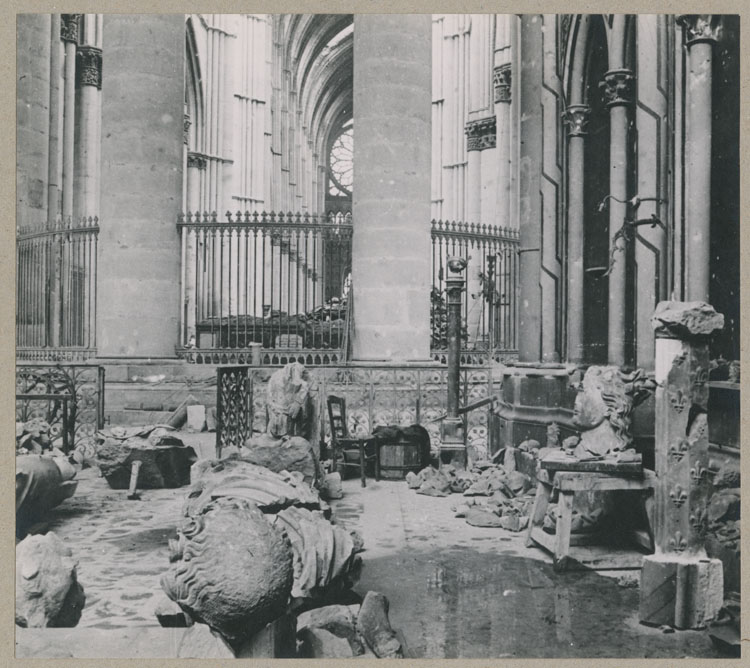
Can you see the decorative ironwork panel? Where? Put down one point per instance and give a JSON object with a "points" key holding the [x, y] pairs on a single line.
{"points": [[234, 407], [83, 384]]}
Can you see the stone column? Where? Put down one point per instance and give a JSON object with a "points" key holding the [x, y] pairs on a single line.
{"points": [[391, 203], [480, 135], [680, 586], [701, 32], [502, 80], [618, 94], [88, 136], [142, 156], [576, 117], [69, 33], [196, 167]]}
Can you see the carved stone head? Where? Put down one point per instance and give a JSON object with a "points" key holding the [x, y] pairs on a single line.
{"points": [[230, 569], [607, 395]]}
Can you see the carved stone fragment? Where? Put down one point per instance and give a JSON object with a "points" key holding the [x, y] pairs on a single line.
{"points": [[686, 319], [324, 554], [283, 454], [232, 477], [230, 569], [48, 593]]}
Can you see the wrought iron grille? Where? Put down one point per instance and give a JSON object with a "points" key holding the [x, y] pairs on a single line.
{"points": [[56, 290], [80, 386], [234, 407], [490, 303], [274, 281]]}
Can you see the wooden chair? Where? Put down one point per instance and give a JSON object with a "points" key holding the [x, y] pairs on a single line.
{"points": [[343, 444]]}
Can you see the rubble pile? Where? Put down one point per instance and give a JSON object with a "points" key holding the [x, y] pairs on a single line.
{"points": [[495, 495]]}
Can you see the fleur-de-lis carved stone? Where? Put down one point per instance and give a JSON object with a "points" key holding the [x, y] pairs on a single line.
{"points": [[678, 543], [678, 400], [678, 496], [678, 450]]}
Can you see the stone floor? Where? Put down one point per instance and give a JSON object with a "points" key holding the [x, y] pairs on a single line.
{"points": [[454, 590]]}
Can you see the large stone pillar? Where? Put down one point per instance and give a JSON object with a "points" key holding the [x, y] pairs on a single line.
{"points": [[33, 120], [618, 94], [680, 586], [701, 32], [142, 156], [391, 203]]}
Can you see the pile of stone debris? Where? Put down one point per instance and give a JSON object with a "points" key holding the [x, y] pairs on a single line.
{"points": [[494, 496]]}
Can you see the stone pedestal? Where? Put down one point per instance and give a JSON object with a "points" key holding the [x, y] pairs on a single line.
{"points": [[533, 397], [391, 201], [680, 586]]}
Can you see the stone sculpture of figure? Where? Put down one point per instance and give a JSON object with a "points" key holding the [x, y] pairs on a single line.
{"points": [[603, 409], [288, 402]]}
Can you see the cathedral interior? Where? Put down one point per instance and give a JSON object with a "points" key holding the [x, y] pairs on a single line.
{"points": [[377, 335]]}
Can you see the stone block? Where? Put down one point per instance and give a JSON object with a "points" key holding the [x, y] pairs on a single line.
{"points": [[196, 417], [686, 593], [657, 591], [162, 465], [336, 619], [274, 641], [200, 642], [321, 644], [375, 627], [171, 615]]}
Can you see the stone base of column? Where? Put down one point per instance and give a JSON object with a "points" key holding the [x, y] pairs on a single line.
{"points": [[534, 397], [684, 592]]}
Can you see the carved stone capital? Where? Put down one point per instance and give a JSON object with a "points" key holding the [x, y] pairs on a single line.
{"points": [[89, 66], [576, 117], [481, 134], [69, 27], [700, 27], [501, 80], [186, 123], [197, 160], [618, 87]]}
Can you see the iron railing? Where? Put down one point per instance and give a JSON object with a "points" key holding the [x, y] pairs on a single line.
{"points": [[490, 303], [56, 290], [70, 397], [264, 287]]}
